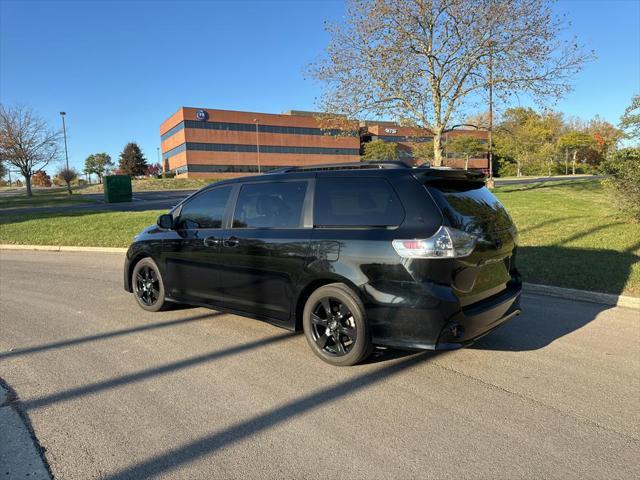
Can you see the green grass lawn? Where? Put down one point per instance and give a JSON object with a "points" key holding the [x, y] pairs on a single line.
{"points": [[570, 234], [87, 229], [42, 198]]}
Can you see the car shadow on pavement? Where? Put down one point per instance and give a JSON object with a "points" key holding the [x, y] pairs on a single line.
{"points": [[546, 319], [207, 445], [103, 336]]}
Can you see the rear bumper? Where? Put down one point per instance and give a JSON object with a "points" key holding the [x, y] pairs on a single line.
{"points": [[436, 321]]}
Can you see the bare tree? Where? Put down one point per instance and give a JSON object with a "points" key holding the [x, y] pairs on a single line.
{"points": [[26, 141], [427, 60], [67, 175]]}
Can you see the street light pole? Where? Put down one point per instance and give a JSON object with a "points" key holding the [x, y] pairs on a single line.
{"points": [[255, 120], [64, 133], [66, 154]]}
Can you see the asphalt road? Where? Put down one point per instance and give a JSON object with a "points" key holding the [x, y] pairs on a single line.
{"points": [[156, 200], [116, 392]]}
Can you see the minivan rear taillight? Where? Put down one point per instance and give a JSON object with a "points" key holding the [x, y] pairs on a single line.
{"points": [[447, 242]]}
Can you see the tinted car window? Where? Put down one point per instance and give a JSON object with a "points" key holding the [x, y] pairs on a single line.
{"points": [[205, 210], [270, 205], [356, 202], [470, 206]]}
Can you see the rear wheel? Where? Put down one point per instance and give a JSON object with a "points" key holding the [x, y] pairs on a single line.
{"points": [[335, 325], [148, 287]]}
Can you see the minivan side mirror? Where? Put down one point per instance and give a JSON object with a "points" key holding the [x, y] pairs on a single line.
{"points": [[165, 221]]}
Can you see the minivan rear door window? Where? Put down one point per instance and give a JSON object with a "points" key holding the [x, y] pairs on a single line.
{"points": [[356, 202]]}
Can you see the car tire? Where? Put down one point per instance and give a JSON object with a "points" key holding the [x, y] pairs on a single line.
{"points": [[333, 315], [147, 286]]}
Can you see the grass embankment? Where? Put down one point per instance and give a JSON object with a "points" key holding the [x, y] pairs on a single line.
{"points": [[150, 184], [570, 234], [87, 229], [42, 198]]}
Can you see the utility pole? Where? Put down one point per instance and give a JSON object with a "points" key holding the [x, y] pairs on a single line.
{"points": [[255, 120], [66, 154], [490, 182]]}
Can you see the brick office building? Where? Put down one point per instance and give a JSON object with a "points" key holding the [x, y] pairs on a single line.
{"points": [[224, 143], [407, 137]]}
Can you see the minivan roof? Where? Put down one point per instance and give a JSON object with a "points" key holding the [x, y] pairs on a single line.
{"points": [[367, 168]]}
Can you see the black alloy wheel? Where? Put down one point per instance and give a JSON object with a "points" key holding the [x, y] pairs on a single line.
{"points": [[334, 329], [335, 325], [148, 286]]}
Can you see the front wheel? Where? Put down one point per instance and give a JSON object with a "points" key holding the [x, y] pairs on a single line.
{"points": [[148, 287], [335, 325]]}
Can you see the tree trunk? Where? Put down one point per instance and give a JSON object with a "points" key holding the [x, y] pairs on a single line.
{"points": [[518, 174], [69, 187], [573, 163], [27, 183], [466, 162], [566, 162], [437, 148]]}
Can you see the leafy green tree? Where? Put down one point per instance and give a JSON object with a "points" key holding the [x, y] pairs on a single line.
{"points": [[422, 152], [132, 161], [466, 145], [574, 143], [522, 134], [630, 120], [623, 167], [379, 150], [98, 164]]}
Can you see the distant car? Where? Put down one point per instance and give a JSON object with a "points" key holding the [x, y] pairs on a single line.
{"points": [[355, 255]]}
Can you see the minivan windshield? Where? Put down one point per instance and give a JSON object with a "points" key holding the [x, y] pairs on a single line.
{"points": [[469, 206]]}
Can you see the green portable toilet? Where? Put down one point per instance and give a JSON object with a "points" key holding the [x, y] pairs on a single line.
{"points": [[117, 188]]}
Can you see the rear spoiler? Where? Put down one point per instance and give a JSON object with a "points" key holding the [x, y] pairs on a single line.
{"points": [[431, 174]]}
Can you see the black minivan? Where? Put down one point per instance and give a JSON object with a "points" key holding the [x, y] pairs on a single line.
{"points": [[355, 255]]}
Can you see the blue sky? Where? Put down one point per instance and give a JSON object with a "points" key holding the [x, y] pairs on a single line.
{"points": [[120, 68]]}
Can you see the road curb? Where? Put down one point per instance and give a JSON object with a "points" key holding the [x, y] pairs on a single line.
{"points": [[560, 292], [62, 248], [583, 295], [21, 455]]}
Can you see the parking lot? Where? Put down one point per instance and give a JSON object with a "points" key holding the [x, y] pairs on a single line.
{"points": [[115, 392]]}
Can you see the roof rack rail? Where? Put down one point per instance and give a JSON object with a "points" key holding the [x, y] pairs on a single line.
{"points": [[342, 166]]}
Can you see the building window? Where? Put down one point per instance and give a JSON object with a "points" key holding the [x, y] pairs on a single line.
{"points": [[230, 147], [251, 127]]}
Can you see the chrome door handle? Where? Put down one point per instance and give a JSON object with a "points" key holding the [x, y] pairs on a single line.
{"points": [[231, 242], [211, 242]]}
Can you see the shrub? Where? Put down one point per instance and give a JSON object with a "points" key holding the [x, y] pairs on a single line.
{"points": [[623, 167]]}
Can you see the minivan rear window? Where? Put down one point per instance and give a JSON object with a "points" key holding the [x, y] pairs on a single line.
{"points": [[356, 202], [469, 206]]}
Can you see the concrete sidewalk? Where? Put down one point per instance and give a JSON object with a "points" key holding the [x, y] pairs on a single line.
{"points": [[19, 453]]}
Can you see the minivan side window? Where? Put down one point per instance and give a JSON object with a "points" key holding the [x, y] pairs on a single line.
{"points": [[356, 202], [205, 210], [270, 205]]}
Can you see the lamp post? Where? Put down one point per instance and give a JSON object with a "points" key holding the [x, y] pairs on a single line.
{"points": [[64, 133], [255, 120], [66, 154], [490, 182]]}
